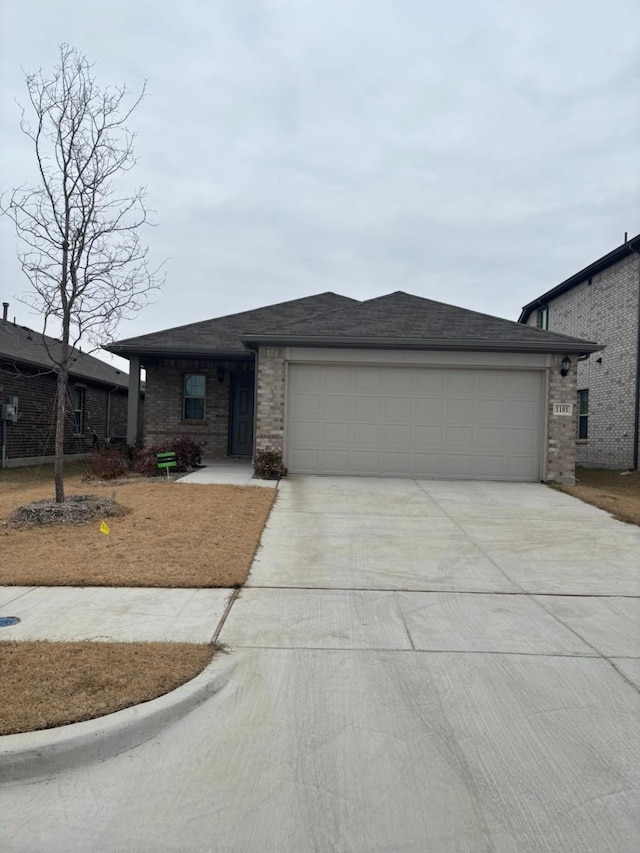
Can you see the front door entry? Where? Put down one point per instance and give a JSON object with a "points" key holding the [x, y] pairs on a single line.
{"points": [[241, 441]]}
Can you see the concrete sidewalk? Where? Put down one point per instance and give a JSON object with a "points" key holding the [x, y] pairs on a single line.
{"points": [[228, 472], [117, 614]]}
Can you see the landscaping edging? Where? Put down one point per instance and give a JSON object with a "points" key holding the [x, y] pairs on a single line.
{"points": [[41, 753]]}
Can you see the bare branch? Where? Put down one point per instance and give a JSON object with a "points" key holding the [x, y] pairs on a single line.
{"points": [[81, 249]]}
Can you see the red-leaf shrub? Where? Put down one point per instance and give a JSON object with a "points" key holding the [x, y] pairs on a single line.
{"points": [[108, 463]]}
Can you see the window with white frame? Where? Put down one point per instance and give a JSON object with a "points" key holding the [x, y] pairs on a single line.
{"points": [[193, 401], [583, 414], [79, 399], [542, 317]]}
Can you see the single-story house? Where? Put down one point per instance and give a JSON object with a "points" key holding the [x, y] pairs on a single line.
{"points": [[392, 386], [602, 302], [96, 398]]}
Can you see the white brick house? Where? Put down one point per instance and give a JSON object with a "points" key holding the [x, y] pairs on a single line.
{"points": [[602, 303]]}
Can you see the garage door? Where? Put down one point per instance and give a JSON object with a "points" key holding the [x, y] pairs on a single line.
{"points": [[414, 421]]}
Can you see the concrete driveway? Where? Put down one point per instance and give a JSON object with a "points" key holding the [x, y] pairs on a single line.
{"points": [[421, 666]]}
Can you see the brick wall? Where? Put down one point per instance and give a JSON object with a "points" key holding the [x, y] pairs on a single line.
{"points": [[561, 429], [605, 310], [164, 399], [270, 399], [33, 435]]}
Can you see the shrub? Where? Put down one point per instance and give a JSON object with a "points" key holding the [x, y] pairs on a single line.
{"points": [[188, 455], [268, 465], [108, 463]]}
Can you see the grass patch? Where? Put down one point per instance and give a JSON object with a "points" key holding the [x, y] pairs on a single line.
{"points": [[612, 491], [52, 684], [173, 535]]}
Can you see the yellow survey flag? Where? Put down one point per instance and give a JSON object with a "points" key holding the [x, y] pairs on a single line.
{"points": [[104, 528]]}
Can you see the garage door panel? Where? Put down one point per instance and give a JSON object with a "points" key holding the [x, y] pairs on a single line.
{"points": [[459, 438], [336, 406], [524, 440], [491, 438], [398, 409], [366, 435], [368, 408], [522, 413], [429, 410], [460, 411], [429, 438], [305, 406], [334, 435], [397, 437], [305, 434], [492, 412], [395, 464], [425, 422]]}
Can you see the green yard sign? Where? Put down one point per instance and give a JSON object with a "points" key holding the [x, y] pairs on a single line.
{"points": [[166, 460]]}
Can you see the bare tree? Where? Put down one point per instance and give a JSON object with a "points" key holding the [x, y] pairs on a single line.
{"points": [[79, 237]]}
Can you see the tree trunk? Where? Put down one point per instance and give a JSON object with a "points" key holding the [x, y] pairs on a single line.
{"points": [[61, 398]]}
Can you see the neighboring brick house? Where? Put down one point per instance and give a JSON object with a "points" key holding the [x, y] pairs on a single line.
{"points": [[96, 400], [602, 303], [393, 386]]}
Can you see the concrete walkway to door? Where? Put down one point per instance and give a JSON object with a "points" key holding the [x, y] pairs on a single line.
{"points": [[420, 666]]}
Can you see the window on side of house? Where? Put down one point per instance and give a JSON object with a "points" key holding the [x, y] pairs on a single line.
{"points": [[583, 414], [193, 401], [542, 317], [79, 399]]}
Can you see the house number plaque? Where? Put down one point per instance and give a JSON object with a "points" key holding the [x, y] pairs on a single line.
{"points": [[563, 409]]}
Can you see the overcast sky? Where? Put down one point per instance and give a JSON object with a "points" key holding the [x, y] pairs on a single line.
{"points": [[477, 153]]}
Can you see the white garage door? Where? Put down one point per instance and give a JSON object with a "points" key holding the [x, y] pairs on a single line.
{"points": [[414, 421]]}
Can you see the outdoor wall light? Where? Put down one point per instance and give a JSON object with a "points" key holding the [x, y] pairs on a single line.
{"points": [[566, 365], [220, 374]]}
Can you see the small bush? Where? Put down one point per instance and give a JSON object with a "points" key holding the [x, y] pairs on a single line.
{"points": [[268, 465], [188, 455], [108, 463]]}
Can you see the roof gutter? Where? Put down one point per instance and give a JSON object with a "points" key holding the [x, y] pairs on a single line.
{"points": [[350, 342], [618, 254], [126, 352]]}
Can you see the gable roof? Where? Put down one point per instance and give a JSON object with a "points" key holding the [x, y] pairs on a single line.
{"points": [[619, 254], [400, 320], [223, 335], [24, 346]]}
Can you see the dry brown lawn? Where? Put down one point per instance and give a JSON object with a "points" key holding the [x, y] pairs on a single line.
{"points": [[52, 684], [613, 491], [174, 535]]}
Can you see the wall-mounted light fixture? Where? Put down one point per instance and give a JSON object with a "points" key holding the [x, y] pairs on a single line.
{"points": [[220, 374], [566, 366]]}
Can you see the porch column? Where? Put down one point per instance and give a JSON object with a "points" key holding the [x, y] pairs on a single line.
{"points": [[133, 400]]}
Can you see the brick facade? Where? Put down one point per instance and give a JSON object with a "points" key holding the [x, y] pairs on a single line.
{"points": [[561, 429], [163, 416], [604, 308], [270, 399], [32, 436]]}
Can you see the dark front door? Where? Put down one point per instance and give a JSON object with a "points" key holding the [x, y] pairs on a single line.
{"points": [[241, 442]]}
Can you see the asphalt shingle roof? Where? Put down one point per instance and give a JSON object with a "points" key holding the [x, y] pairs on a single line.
{"points": [[23, 345], [224, 334], [400, 319]]}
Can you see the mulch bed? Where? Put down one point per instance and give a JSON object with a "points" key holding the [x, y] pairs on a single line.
{"points": [[76, 509]]}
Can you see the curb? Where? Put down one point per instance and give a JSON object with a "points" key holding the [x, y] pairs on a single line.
{"points": [[35, 754]]}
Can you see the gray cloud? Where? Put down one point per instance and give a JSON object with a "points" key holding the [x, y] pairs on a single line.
{"points": [[471, 153]]}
